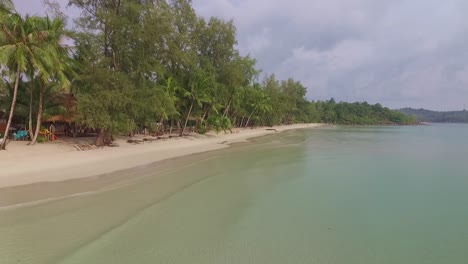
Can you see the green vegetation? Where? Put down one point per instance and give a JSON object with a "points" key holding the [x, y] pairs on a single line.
{"points": [[423, 115], [30, 47], [360, 114], [154, 65]]}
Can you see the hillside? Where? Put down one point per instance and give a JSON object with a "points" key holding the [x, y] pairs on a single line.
{"points": [[423, 115]]}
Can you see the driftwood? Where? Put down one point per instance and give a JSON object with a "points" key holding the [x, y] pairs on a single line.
{"points": [[272, 129], [85, 147], [150, 139], [135, 141], [78, 147], [114, 145]]}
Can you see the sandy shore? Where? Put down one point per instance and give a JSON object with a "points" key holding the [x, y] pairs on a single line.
{"points": [[23, 164]]}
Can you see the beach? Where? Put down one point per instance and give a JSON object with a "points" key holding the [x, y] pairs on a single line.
{"points": [[22, 164]]}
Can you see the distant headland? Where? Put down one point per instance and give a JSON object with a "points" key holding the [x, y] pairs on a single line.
{"points": [[424, 115]]}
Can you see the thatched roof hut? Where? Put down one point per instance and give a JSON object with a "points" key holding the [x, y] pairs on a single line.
{"points": [[68, 101]]}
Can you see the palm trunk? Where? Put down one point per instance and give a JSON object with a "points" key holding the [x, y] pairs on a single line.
{"points": [[39, 116], [227, 108], [132, 131], [203, 117], [242, 121], [288, 118], [31, 135], [186, 120], [161, 121], [12, 108], [250, 116]]}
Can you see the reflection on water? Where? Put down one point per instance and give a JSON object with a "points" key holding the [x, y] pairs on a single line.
{"points": [[332, 195]]}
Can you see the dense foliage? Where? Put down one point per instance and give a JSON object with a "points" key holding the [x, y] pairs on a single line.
{"points": [[155, 65], [423, 115], [359, 114]]}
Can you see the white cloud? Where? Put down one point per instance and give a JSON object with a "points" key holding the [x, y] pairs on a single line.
{"points": [[257, 43], [399, 52]]}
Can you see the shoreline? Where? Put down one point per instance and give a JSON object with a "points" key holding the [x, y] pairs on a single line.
{"points": [[24, 165]]}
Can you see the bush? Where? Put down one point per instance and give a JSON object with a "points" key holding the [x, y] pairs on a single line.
{"points": [[215, 123], [226, 124], [218, 123], [202, 129]]}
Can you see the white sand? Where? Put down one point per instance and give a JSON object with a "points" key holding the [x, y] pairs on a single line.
{"points": [[22, 164]]}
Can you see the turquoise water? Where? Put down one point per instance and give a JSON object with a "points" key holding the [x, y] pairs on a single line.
{"points": [[329, 195]]}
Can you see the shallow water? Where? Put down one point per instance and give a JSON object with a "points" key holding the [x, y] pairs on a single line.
{"points": [[329, 195]]}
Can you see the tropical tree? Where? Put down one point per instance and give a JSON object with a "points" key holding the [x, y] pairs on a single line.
{"points": [[128, 40], [211, 105], [6, 7], [61, 67], [21, 47], [103, 103], [197, 94], [169, 111], [260, 103]]}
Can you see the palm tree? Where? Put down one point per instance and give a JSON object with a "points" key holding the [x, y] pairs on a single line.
{"points": [[261, 103], [169, 110], [13, 53], [211, 104], [60, 69], [6, 7], [22, 47], [197, 94]]}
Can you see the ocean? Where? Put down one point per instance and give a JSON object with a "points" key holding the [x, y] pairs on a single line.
{"points": [[334, 195]]}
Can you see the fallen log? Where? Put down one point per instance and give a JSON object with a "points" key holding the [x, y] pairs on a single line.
{"points": [[135, 141]]}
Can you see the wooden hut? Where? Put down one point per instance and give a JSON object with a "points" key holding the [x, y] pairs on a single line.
{"points": [[64, 125]]}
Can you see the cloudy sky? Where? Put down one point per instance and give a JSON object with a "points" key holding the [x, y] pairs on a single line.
{"points": [[399, 53]]}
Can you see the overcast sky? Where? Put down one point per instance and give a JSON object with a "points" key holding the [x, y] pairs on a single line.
{"points": [[396, 52]]}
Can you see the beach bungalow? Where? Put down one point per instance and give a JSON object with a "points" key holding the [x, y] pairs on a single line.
{"points": [[64, 124]]}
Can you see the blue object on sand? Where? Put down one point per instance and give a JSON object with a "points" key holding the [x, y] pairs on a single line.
{"points": [[21, 134]]}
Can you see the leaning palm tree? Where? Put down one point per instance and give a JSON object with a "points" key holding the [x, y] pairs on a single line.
{"points": [[197, 94], [170, 89], [21, 46], [12, 54], [261, 103]]}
